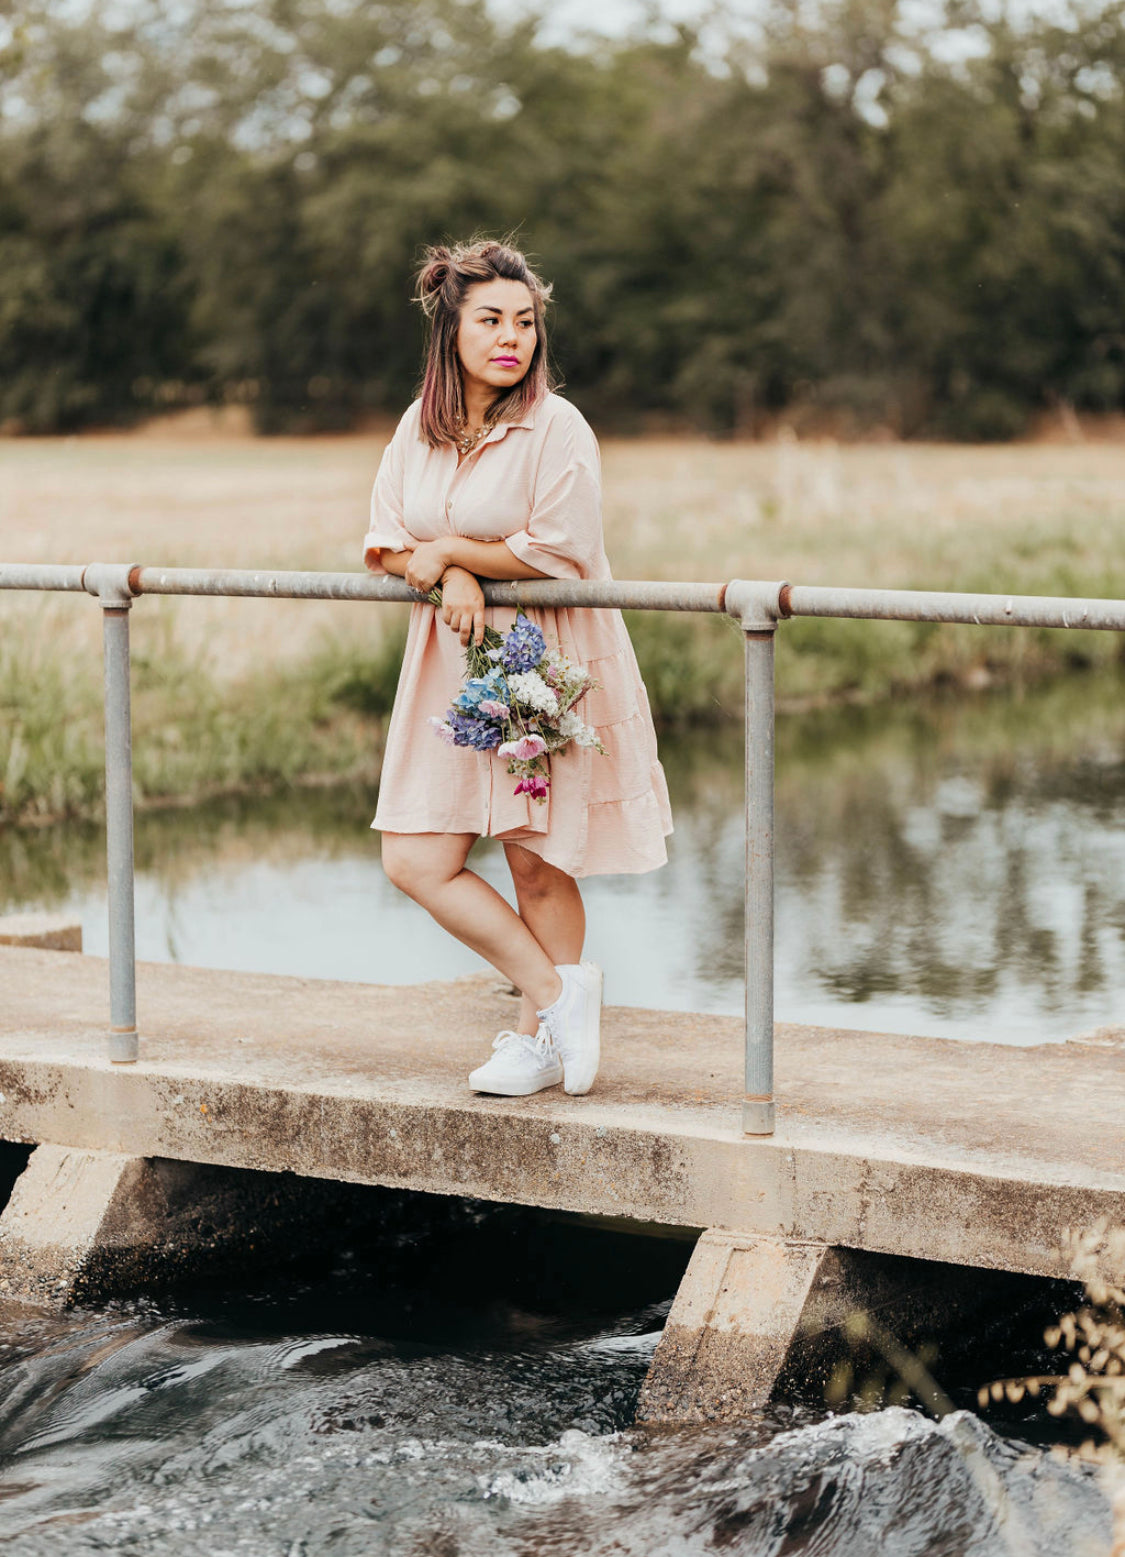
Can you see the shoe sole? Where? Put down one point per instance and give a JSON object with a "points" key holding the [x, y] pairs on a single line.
{"points": [[578, 1080], [521, 1088]]}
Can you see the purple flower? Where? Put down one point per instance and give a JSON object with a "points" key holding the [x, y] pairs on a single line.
{"points": [[524, 647], [476, 733]]}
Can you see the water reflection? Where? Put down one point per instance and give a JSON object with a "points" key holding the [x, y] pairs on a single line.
{"points": [[950, 868]]}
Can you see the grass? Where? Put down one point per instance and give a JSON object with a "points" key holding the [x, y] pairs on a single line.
{"points": [[193, 736], [243, 694]]}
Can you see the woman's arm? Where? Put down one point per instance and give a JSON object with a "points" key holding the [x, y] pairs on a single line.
{"points": [[423, 566], [487, 559], [380, 559]]}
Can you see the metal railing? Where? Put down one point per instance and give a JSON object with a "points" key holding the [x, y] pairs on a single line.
{"points": [[758, 608]]}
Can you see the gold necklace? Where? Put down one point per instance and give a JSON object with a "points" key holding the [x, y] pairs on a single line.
{"points": [[467, 441]]}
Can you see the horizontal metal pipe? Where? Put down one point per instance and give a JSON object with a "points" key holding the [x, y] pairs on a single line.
{"points": [[909, 605], [40, 575], [274, 585], [641, 595], [904, 605]]}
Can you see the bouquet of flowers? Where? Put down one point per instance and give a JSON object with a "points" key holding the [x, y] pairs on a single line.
{"points": [[518, 700]]}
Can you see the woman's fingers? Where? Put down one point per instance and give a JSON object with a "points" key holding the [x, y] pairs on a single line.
{"points": [[469, 626]]}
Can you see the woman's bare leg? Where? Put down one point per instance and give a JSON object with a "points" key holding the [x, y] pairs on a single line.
{"points": [[550, 906], [430, 868]]}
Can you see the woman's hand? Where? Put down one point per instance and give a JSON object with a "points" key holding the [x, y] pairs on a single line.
{"points": [[428, 562], [462, 605]]}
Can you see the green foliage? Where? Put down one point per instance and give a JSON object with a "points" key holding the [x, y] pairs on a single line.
{"points": [[691, 666], [363, 680], [917, 227], [192, 735]]}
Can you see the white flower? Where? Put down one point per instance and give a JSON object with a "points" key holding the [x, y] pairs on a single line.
{"points": [[572, 728], [532, 691]]}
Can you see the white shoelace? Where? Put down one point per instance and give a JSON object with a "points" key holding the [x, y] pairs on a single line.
{"points": [[538, 1048]]}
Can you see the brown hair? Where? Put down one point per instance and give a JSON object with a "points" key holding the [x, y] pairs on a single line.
{"points": [[444, 279]]}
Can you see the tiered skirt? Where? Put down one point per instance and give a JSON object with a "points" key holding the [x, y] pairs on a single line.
{"points": [[604, 815]]}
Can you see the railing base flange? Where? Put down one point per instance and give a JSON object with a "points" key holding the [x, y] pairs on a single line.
{"points": [[758, 1116], [124, 1048]]}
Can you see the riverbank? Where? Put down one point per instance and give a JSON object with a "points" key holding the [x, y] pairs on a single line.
{"points": [[233, 695]]}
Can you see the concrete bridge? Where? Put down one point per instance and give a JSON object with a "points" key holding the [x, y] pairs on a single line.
{"points": [[901, 1169], [894, 1172]]}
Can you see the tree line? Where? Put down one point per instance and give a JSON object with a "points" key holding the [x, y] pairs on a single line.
{"points": [[838, 212]]}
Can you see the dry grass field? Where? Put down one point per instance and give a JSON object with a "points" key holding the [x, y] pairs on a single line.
{"points": [[1026, 518], [1000, 517]]}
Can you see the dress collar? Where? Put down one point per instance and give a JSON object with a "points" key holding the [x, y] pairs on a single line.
{"points": [[502, 428]]}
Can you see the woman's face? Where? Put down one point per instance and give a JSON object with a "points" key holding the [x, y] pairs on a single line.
{"points": [[496, 335]]}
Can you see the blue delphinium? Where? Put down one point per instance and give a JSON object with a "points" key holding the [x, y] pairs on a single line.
{"points": [[479, 689], [477, 733], [524, 647]]}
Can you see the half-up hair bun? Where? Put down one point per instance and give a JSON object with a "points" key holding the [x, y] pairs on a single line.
{"points": [[437, 268]]}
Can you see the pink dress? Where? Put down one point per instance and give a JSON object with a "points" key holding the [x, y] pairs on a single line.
{"points": [[535, 484]]}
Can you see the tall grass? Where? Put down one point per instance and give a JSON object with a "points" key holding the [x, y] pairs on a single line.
{"points": [[193, 735]]}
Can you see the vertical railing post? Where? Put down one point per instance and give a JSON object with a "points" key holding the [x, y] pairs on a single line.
{"points": [[757, 608], [110, 584]]}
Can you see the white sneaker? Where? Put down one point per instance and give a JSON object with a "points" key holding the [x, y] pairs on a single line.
{"points": [[574, 1022], [519, 1065]]}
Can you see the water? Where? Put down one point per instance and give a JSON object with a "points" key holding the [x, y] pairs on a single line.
{"points": [[949, 868], [459, 1389], [468, 1385]]}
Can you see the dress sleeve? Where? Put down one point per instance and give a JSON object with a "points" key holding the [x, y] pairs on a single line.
{"points": [[563, 537], [386, 527]]}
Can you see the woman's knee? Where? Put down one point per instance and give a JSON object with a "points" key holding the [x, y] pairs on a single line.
{"points": [[396, 863], [531, 876], [421, 864]]}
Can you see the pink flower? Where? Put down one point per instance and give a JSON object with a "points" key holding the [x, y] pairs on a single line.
{"points": [[491, 709], [534, 785], [444, 730], [525, 748]]}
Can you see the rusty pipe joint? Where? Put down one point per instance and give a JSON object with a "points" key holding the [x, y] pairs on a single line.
{"points": [[756, 606], [111, 583]]}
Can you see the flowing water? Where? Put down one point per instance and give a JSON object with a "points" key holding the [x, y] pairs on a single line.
{"points": [[468, 1390], [460, 1381]]}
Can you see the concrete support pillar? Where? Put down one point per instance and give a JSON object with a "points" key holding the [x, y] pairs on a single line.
{"points": [[729, 1333], [754, 1316], [86, 1225], [70, 1215]]}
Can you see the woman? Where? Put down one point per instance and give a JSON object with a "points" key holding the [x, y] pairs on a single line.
{"points": [[489, 475]]}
